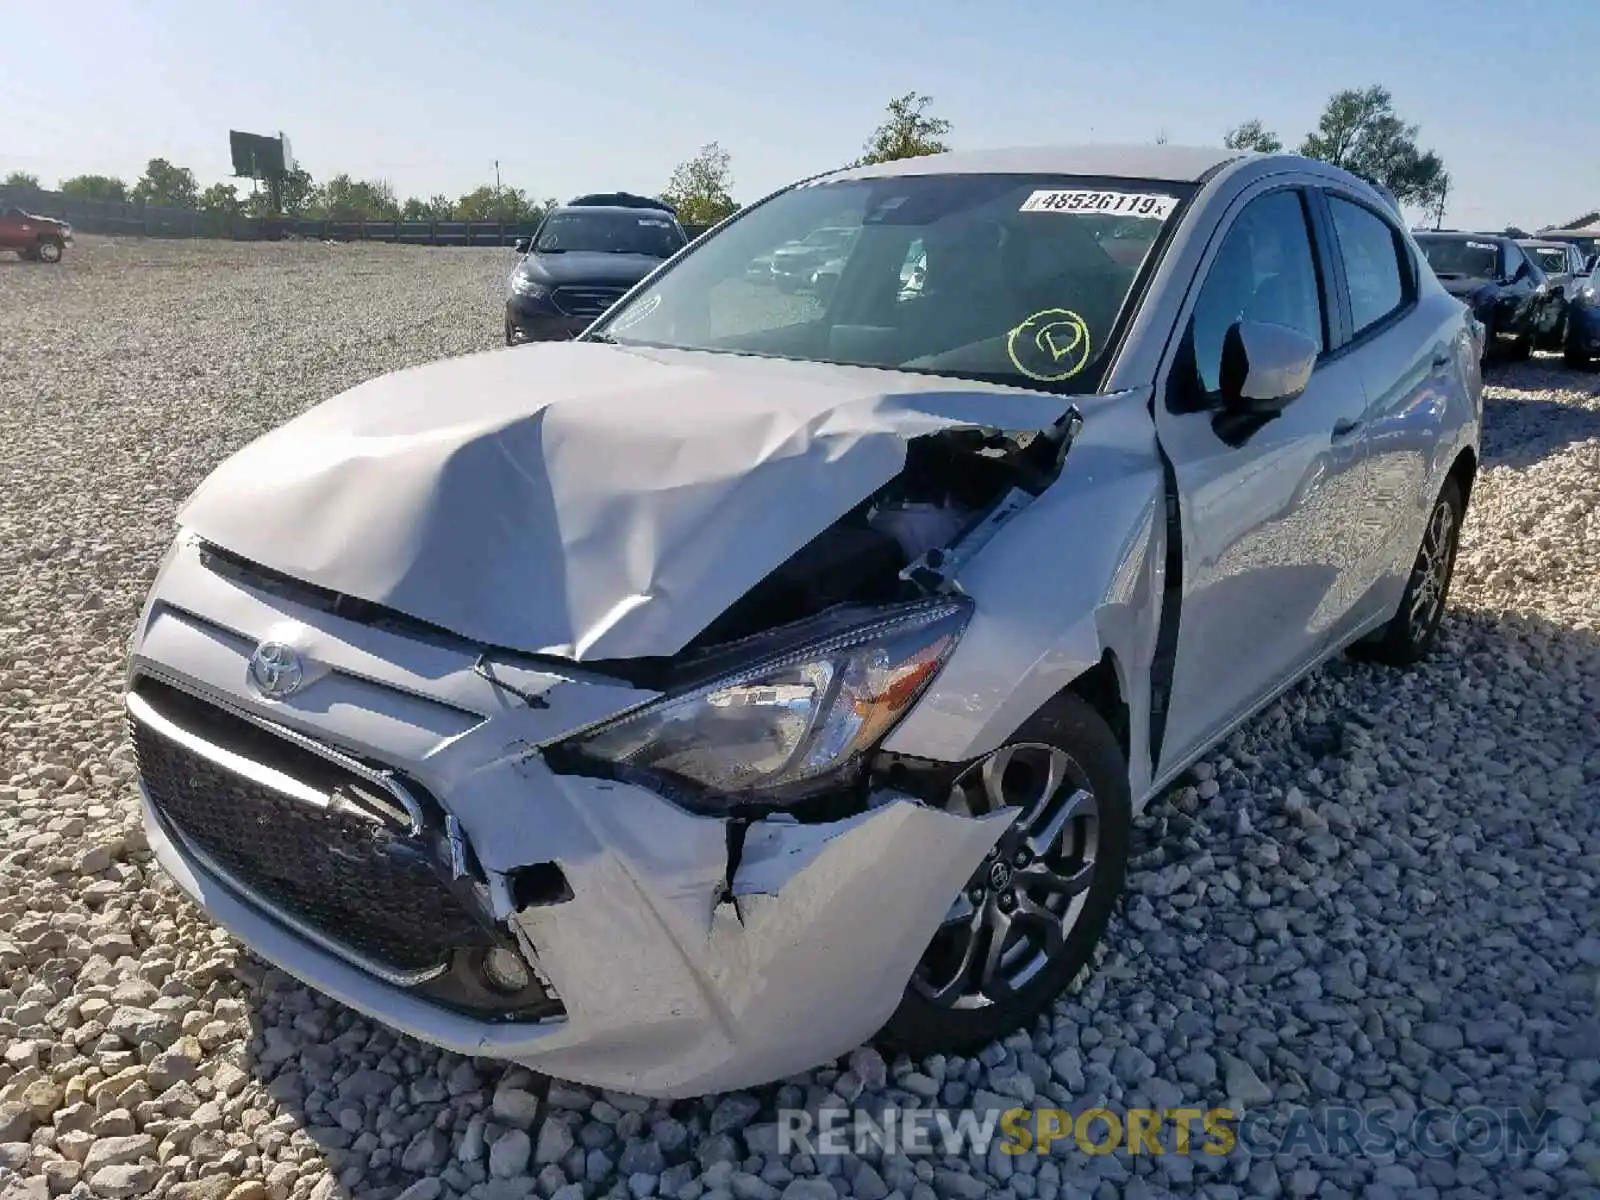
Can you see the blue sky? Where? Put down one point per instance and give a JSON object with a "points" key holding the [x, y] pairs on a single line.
{"points": [[579, 97]]}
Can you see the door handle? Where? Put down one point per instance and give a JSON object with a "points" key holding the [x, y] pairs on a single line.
{"points": [[1345, 426]]}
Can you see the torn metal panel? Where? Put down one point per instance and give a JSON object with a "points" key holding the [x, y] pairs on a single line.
{"points": [[580, 500]]}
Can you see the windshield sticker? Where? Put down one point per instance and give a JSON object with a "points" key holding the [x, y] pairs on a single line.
{"points": [[636, 314], [1093, 203], [1050, 346], [1482, 246]]}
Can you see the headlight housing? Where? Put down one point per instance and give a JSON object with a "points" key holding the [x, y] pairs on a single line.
{"points": [[531, 288], [786, 728]]}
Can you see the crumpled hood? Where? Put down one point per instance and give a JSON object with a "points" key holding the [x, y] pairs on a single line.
{"points": [[577, 499], [1466, 286]]}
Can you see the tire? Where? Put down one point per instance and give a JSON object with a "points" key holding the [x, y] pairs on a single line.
{"points": [[1556, 339], [1570, 354], [1487, 356], [1066, 744], [1409, 636], [1522, 347], [48, 250]]}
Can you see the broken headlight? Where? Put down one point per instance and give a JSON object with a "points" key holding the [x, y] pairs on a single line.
{"points": [[791, 726]]}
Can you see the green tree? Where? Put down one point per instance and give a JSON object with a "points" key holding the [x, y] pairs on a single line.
{"points": [[95, 187], [21, 179], [700, 187], [477, 205], [295, 192], [222, 199], [907, 131], [1360, 132], [165, 184], [435, 208], [1252, 135], [345, 199]]}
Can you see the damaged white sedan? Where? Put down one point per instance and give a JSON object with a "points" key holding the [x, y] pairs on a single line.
{"points": [[767, 670]]}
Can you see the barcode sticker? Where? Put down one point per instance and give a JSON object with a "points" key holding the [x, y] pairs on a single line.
{"points": [[1115, 204]]}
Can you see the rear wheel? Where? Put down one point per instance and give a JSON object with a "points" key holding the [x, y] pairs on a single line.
{"points": [[48, 250], [1031, 915], [1411, 632]]}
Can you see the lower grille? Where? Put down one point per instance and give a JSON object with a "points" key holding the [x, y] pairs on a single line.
{"points": [[352, 872], [586, 301]]}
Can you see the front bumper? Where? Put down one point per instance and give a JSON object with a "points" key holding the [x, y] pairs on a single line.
{"points": [[538, 321], [675, 978]]}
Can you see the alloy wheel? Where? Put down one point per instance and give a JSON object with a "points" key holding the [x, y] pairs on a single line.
{"points": [[49, 252], [1431, 575], [1022, 902]]}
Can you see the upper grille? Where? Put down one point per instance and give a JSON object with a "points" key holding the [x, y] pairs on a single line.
{"points": [[587, 300], [352, 872]]}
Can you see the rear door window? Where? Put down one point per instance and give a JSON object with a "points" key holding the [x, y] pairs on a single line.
{"points": [[1377, 268]]}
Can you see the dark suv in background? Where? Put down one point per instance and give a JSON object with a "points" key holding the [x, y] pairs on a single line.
{"points": [[582, 258], [1505, 289]]}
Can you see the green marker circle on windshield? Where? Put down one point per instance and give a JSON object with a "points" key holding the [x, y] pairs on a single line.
{"points": [[1051, 345]]}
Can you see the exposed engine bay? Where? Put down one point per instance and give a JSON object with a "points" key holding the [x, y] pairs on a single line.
{"points": [[907, 539]]}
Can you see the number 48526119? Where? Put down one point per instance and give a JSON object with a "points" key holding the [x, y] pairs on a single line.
{"points": [[1124, 204]]}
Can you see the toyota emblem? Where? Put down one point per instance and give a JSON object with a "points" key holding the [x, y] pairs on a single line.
{"points": [[276, 670]]}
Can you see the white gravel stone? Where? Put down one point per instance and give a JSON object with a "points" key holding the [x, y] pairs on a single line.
{"points": [[1384, 887]]}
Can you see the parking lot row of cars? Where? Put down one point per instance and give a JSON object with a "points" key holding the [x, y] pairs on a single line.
{"points": [[1527, 292]]}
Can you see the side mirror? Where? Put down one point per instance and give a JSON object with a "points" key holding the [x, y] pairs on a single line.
{"points": [[1523, 272], [1264, 367], [521, 245]]}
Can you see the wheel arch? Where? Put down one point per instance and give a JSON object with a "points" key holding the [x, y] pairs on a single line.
{"points": [[1101, 688], [1464, 470]]}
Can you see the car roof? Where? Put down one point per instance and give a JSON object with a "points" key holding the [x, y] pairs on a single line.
{"points": [[617, 209], [1460, 235], [1177, 164]]}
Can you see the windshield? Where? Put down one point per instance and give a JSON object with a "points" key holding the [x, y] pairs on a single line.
{"points": [[1459, 257], [609, 232], [1552, 259], [1016, 279]]}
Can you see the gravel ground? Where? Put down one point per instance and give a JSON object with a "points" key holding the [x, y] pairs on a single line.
{"points": [[1382, 891]]}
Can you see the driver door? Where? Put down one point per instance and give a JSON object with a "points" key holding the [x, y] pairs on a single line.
{"points": [[1265, 522]]}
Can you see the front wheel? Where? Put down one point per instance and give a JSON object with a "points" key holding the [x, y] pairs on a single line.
{"points": [[1570, 353], [1556, 339], [1411, 632], [1033, 912], [48, 250]]}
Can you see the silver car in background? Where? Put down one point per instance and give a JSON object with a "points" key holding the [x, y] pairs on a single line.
{"points": [[674, 709]]}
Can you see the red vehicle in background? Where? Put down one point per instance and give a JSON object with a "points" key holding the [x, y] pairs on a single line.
{"points": [[35, 238]]}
